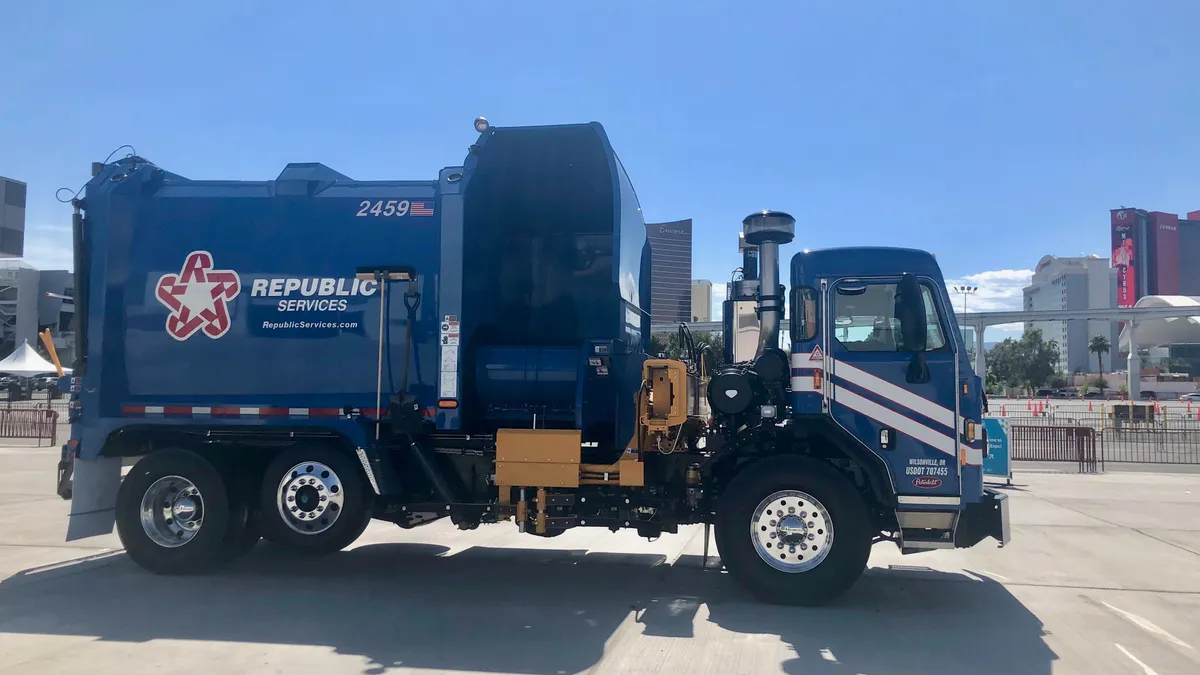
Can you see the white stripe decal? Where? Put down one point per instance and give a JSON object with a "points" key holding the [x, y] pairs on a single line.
{"points": [[298, 412], [974, 455], [804, 360], [895, 420], [904, 397], [929, 501], [248, 411], [154, 410], [201, 411], [802, 384]]}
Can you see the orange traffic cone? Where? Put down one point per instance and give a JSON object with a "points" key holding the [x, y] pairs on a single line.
{"points": [[1029, 404], [1004, 411]]}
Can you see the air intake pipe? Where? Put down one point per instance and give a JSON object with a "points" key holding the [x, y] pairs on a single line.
{"points": [[768, 230]]}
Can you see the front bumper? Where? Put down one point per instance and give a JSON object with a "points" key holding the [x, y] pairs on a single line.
{"points": [[988, 517]]}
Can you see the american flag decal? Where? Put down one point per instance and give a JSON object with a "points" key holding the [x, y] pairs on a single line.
{"points": [[421, 209]]}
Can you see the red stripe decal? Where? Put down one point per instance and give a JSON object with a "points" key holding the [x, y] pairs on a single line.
{"points": [[272, 412], [324, 412], [133, 410], [177, 410], [227, 410]]}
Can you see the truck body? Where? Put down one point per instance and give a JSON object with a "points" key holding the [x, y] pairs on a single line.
{"points": [[289, 359]]}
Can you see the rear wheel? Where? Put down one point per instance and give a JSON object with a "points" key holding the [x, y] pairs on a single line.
{"points": [[174, 514], [793, 531], [313, 499]]}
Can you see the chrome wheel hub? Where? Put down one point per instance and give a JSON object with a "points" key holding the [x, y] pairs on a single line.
{"points": [[172, 511], [791, 531], [310, 498]]}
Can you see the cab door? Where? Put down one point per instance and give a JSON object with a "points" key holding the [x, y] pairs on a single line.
{"points": [[897, 399]]}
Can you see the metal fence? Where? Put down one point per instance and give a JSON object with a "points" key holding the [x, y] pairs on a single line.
{"points": [[1145, 434], [1076, 444], [38, 403], [36, 423]]}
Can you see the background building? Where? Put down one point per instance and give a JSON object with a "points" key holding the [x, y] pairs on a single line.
{"points": [[670, 271], [1074, 283], [26, 310], [702, 300], [12, 218], [1167, 345], [1149, 249]]}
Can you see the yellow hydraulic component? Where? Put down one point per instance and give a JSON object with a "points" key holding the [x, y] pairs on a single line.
{"points": [[668, 398], [663, 404], [540, 527], [551, 458], [538, 457]]}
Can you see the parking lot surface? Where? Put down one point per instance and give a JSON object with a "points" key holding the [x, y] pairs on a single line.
{"points": [[1103, 576]]}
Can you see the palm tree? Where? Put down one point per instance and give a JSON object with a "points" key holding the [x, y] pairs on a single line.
{"points": [[1099, 345]]}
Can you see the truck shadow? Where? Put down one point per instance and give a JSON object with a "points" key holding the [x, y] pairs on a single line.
{"points": [[537, 611]]}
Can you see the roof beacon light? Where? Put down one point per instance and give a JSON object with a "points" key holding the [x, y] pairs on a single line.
{"points": [[481, 124]]}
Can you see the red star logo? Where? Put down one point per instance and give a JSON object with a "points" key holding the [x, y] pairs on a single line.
{"points": [[198, 297]]}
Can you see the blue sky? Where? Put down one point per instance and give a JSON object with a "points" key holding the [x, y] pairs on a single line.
{"points": [[991, 133]]}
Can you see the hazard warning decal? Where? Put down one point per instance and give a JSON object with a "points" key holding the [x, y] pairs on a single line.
{"points": [[816, 354], [198, 297]]}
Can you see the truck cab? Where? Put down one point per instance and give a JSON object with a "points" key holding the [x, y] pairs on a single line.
{"points": [[879, 362]]}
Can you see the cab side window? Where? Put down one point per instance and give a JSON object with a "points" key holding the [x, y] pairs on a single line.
{"points": [[804, 313], [933, 327], [865, 318]]}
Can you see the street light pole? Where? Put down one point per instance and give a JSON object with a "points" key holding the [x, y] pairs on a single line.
{"points": [[980, 357], [965, 290]]}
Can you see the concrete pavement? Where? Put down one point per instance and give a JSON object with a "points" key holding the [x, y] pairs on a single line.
{"points": [[1103, 577]]}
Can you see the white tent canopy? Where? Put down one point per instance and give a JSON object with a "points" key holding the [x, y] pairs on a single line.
{"points": [[25, 362]]}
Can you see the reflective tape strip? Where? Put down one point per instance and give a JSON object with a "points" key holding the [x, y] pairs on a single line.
{"points": [[895, 420], [246, 411]]}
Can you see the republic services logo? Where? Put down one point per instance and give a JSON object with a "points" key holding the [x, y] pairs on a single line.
{"points": [[198, 297]]}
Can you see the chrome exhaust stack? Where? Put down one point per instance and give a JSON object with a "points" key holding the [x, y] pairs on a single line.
{"points": [[768, 230]]}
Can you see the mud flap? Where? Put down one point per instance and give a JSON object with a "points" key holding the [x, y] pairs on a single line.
{"points": [[93, 497], [988, 517]]}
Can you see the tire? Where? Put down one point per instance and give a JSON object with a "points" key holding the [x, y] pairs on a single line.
{"points": [[169, 485], [250, 534], [822, 562], [241, 482], [322, 483]]}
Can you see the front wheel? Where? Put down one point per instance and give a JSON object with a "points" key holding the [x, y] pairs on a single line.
{"points": [[793, 531], [313, 499]]}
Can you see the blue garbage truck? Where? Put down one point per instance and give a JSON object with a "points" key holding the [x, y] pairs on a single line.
{"points": [[289, 359]]}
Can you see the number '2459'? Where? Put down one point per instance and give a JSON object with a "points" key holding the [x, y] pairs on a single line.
{"points": [[381, 208]]}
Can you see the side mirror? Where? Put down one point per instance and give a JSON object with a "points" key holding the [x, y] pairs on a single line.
{"points": [[914, 329], [910, 311]]}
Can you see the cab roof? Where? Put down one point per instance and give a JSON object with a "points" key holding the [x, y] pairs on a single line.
{"points": [[862, 261]]}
